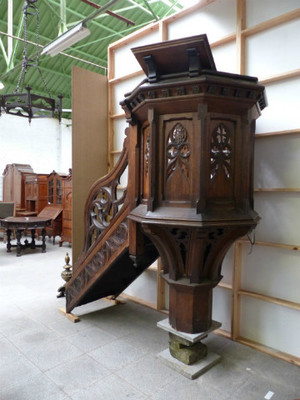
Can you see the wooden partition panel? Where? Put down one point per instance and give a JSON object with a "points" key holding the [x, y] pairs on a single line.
{"points": [[89, 143]]}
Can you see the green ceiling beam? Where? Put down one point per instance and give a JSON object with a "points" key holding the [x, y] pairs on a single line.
{"points": [[97, 60], [10, 14], [135, 5], [3, 51], [123, 33], [150, 9], [16, 44], [63, 17], [81, 17]]}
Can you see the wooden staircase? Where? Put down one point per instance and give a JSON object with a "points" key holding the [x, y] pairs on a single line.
{"points": [[104, 267]]}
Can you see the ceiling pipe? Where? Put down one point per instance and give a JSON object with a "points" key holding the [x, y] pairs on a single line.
{"points": [[92, 4]]}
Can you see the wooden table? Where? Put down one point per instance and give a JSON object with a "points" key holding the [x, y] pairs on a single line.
{"points": [[21, 224]]}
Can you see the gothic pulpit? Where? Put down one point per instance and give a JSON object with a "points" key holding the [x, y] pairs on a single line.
{"points": [[194, 130]]}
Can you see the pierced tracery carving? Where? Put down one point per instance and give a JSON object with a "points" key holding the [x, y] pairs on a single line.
{"points": [[104, 207], [147, 150], [178, 151], [220, 151]]}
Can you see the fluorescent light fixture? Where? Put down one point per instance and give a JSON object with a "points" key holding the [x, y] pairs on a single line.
{"points": [[67, 39]]}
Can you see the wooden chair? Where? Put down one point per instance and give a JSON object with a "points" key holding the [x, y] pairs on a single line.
{"points": [[7, 209]]}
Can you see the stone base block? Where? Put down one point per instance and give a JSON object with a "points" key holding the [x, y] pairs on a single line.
{"points": [[190, 371], [191, 337]]}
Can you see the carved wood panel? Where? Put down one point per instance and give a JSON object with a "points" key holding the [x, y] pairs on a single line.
{"points": [[221, 153], [177, 159]]}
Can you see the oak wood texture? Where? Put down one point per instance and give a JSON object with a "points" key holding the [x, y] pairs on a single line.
{"points": [[165, 28], [36, 192], [14, 183], [189, 152], [21, 224], [196, 169], [54, 212], [66, 235], [89, 143]]}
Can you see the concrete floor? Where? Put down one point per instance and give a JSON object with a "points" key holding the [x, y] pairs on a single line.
{"points": [[112, 352]]}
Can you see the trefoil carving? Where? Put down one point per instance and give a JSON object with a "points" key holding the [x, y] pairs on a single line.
{"points": [[178, 151], [220, 151]]}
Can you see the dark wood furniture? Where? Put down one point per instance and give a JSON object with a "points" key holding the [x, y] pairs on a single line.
{"points": [[21, 224], [55, 187], [189, 153], [54, 212], [66, 235], [14, 184], [35, 193], [7, 209], [196, 141]]}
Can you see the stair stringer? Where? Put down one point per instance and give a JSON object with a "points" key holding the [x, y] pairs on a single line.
{"points": [[105, 232]]}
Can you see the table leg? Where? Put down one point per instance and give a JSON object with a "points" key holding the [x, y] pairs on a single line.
{"points": [[8, 246], [43, 240], [19, 246], [32, 244]]}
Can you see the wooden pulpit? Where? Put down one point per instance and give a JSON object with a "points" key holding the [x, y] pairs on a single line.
{"points": [[189, 152], [194, 130]]}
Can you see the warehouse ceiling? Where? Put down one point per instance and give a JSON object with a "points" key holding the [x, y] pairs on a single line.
{"points": [[56, 16]]}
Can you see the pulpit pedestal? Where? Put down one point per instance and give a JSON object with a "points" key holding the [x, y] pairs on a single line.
{"points": [[186, 353]]}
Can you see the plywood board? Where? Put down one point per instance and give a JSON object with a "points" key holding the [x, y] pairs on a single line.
{"points": [[89, 144]]}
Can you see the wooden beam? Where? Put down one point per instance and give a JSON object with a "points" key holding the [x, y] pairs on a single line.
{"points": [[271, 23], [224, 40], [277, 133], [135, 35], [275, 245], [113, 80], [70, 316], [240, 39], [163, 30], [117, 116], [270, 299], [281, 77], [275, 190], [268, 350]]}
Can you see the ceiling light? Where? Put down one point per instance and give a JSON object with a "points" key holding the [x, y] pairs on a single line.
{"points": [[25, 103], [66, 40]]}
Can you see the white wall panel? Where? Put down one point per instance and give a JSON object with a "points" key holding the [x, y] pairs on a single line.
{"points": [[271, 325], [119, 128], [269, 271], [217, 20], [44, 143], [274, 51], [280, 222], [227, 267], [282, 112], [277, 162], [123, 87], [125, 61], [225, 57], [144, 287], [258, 11], [222, 307]]}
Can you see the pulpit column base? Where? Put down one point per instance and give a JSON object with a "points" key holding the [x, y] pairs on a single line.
{"points": [[186, 354]]}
